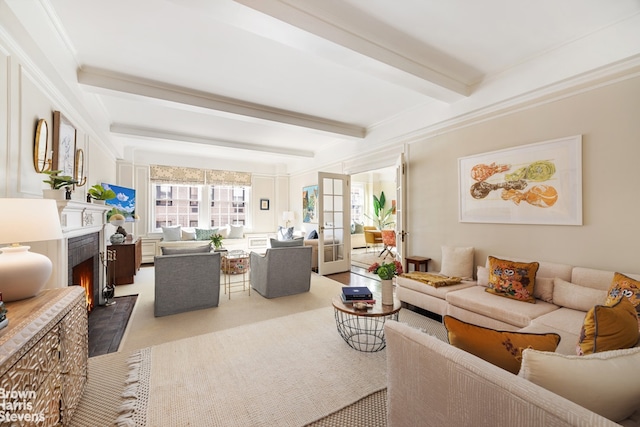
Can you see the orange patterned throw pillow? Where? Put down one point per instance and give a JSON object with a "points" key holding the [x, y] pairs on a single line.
{"points": [[512, 279], [623, 286]]}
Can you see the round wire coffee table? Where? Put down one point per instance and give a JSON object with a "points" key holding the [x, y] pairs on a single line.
{"points": [[363, 329]]}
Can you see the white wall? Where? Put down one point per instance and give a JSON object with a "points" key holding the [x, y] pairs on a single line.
{"points": [[606, 116]]}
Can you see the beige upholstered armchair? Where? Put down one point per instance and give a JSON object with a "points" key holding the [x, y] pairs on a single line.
{"points": [[281, 271]]}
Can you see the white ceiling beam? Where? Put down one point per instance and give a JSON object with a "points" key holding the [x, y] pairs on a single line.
{"points": [[381, 62], [145, 133], [127, 86]]}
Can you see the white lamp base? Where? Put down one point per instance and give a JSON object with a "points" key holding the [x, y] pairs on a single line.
{"points": [[23, 274]]}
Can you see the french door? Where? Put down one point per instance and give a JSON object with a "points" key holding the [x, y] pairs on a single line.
{"points": [[401, 215], [334, 223]]}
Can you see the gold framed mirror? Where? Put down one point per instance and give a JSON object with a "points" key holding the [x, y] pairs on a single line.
{"points": [[41, 147], [79, 167]]}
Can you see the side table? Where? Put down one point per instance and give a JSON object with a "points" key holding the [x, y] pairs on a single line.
{"points": [[363, 329], [235, 263], [417, 262]]}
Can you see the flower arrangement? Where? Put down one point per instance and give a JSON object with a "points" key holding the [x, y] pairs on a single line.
{"points": [[386, 271], [216, 239]]}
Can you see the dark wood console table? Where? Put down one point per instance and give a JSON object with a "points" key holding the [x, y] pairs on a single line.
{"points": [[128, 260]]}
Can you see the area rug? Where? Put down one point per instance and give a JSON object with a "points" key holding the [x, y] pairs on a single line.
{"points": [[288, 371], [365, 260]]}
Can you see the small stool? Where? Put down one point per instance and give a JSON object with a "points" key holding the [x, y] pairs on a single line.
{"points": [[417, 261]]}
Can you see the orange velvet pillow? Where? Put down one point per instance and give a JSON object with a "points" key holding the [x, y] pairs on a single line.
{"points": [[609, 328], [501, 348], [512, 279]]}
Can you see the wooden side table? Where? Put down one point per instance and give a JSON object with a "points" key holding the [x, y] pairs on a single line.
{"points": [[417, 262]]}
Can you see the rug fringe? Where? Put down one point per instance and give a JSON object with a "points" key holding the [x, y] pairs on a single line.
{"points": [[133, 383]]}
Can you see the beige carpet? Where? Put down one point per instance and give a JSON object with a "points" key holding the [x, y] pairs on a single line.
{"points": [[365, 259], [288, 371], [107, 373]]}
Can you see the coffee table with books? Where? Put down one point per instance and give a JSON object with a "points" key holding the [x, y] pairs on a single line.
{"points": [[363, 328]]}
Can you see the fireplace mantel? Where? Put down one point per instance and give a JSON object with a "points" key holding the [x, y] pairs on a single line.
{"points": [[77, 219]]}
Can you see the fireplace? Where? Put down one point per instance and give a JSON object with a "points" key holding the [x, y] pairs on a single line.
{"points": [[84, 265]]}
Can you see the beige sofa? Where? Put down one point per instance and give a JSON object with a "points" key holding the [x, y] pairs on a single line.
{"points": [[431, 383], [569, 292]]}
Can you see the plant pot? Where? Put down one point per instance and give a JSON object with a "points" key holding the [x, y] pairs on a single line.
{"points": [[54, 194], [387, 292], [98, 202]]}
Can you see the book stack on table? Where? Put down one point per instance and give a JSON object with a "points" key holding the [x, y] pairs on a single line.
{"points": [[351, 294]]}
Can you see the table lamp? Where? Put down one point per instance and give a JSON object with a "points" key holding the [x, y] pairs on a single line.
{"points": [[23, 274], [118, 220], [288, 216]]}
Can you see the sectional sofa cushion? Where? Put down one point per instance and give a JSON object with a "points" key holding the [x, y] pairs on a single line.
{"points": [[172, 234], [501, 348], [186, 250], [624, 286], [576, 297], [609, 328], [236, 231], [510, 311], [604, 383], [275, 243], [512, 279], [457, 262], [188, 235]]}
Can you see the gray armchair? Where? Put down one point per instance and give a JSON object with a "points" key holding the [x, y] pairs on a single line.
{"points": [[186, 282], [281, 271]]}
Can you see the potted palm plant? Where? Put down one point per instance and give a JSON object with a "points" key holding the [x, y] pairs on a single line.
{"points": [[99, 194], [382, 217], [60, 185]]}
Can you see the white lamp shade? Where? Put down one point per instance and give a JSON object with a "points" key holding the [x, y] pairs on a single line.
{"points": [[117, 219], [288, 216], [29, 220], [23, 274]]}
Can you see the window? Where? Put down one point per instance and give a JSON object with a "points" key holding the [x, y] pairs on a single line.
{"points": [[357, 202], [228, 205], [176, 205], [180, 205]]}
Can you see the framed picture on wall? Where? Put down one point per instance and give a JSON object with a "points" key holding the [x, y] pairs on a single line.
{"points": [[310, 204], [538, 183], [64, 145], [264, 204]]}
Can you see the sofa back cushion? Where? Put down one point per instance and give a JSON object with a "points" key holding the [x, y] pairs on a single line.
{"points": [[576, 297], [457, 262], [500, 348], [275, 243], [172, 234], [203, 249], [601, 382]]}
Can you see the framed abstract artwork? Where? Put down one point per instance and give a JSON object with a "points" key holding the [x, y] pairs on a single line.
{"points": [[310, 204], [538, 183], [64, 145]]}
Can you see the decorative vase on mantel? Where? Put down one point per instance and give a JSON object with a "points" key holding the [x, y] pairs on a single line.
{"points": [[387, 291]]}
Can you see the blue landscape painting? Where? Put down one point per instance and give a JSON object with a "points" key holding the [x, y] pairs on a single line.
{"points": [[124, 203]]}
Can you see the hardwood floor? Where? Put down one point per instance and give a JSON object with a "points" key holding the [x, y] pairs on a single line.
{"points": [[356, 277]]}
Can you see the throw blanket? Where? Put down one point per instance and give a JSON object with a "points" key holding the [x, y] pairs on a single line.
{"points": [[431, 279]]}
